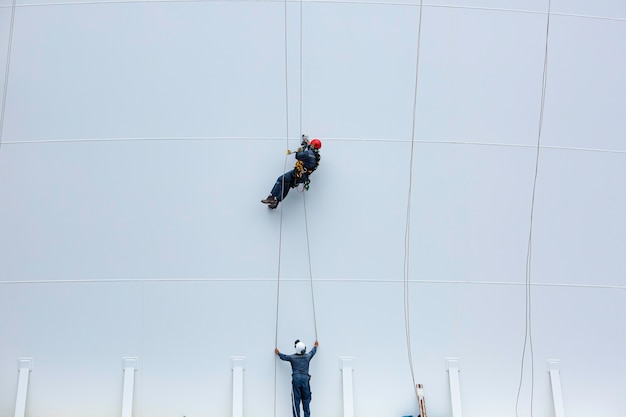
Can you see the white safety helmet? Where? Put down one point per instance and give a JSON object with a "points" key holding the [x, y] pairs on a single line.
{"points": [[300, 347]]}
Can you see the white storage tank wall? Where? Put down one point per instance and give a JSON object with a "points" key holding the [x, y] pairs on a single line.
{"points": [[140, 137]]}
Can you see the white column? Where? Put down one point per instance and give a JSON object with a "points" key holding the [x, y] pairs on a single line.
{"points": [[24, 366], [130, 366], [557, 394], [237, 364], [455, 386], [346, 366]]}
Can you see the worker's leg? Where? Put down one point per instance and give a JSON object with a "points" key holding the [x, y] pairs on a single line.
{"points": [[282, 186], [295, 399], [306, 399]]}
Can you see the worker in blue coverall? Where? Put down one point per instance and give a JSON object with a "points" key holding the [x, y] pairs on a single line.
{"points": [[308, 158], [301, 390]]}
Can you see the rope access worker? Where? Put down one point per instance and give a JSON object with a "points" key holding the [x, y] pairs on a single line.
{"points": [[300, 387], [307, 160]]}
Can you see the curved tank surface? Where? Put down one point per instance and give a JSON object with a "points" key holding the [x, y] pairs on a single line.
{"points": [[465, 229]]}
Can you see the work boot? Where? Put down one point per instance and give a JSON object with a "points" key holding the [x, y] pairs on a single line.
{"points": [[273, 204], [269, 200]]}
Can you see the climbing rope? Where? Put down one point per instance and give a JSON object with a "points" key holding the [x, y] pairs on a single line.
{"points": [[308, 250], [528, 339], [306, 183], [280, 231], [6, 71], [407, 241], [301, 23]]}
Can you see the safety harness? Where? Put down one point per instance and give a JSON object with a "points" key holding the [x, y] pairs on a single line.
{"points": [[301, 171]]}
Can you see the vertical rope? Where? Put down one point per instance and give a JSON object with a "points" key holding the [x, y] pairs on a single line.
{"points": [[306, 222], [407, 241], [280, 236], [6, 72], [284, 165], [528, 339], [301, 20], [308, 248]]}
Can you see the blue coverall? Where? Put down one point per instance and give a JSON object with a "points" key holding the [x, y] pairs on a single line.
{"points": [[287, 180], [300, 381]]}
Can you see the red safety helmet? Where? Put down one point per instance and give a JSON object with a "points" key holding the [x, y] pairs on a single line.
{"points": [[316, 143]]}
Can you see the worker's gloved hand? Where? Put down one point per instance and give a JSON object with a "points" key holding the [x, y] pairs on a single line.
{"points": [[316, 344], [289, 152], [276, 351]]}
